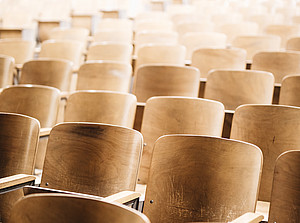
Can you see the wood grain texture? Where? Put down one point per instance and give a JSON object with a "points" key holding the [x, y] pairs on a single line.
{"points": [[177, 115], [206, 59], [289, 91], [50, 72], [101, 106], [274, 129], [104, 75], [92, 158], [77, 34], [7, 64], [165, 80], [285, 199], [237, 87], [278, 63], [202, 178], [14, 180], [72, 208]]}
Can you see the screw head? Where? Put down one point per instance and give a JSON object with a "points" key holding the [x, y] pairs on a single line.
{"points": [[151, 201], [47, 184]]}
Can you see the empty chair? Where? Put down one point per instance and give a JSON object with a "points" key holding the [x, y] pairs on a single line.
{"points": [[153, 25], [164, 80], [274, 128], [265, 19], [228, 18], [237, 87], [114, 24], [101, 106], [202, 179], [119, 52], [6, 70], [278, 63], [78, 34], [206, 59], [256, 43], [111, 35], [50, 72], [172, 115], [196, 26], [289, 91], [293, 44]]}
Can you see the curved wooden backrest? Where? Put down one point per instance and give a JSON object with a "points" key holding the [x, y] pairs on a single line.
{"points": [[92, 158], [194, 26], [50, 72], [153, 25], [21, 50], [101, 106], [202, 178], [104, 75], [114, 23], [264, 19], [178, 115], [237, 87], [165, 80], [274, 128], [119, 52], [112, 35], [289, 91], [293, 44], [6, 70], [40, 102], [285, 203], [49, 208], [255, 43], [206, 59], [278, 63], [78, 34]]}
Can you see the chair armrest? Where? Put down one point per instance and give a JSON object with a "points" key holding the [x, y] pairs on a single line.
{"points": [[15, 181], [123, 197], [249, 218]]}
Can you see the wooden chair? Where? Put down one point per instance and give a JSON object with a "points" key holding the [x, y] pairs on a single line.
{"points": [[119, 52], [114, 24], [153, 25], [6, 70], [274, 128], [72, 208], [50, 72], [101, 106], [112, 35], [164, 80], [237, 87], [202, 178], [104, 75], [289, 91], [265, 19], [278, 63], [77, 34], [194, 26], [206, 59], [293, 44], [45, 27], [172, 115]]}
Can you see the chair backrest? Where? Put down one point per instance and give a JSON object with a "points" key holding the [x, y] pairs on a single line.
{"points": [[178, 115], [293, 44], [72, 208], [21, 50], [202, 178], [206, 59], [289, 91], [153, 25], [112, 35], [165, 80], [101, 106], [278, 63], [274, 128], [6, 70], [194, 26], [111, 51], [237, 87], [265, 19], [50, 72], [45, 28], [116, 24], [255, 43], [40, 102], [98, 159], [285, 204], [78, 34]]}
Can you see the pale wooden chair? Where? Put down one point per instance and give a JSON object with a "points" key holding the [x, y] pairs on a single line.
{"points": [[50, 72], [72, 208], [265, 19], [256, 43], [146, 15], [116, 24], [112, 35], [202, 179], [196, 26], [177, 115], [293, 43], [236, 87], [164, 80], [188, 17], [45, 27], [153, 25], [278, 63], [274, 128], [206, 59], [111, 51], [77, 34], [7, 64], [289, 91], [223, 17], [109, 107]]}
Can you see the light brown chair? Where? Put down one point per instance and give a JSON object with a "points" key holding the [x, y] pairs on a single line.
{"points": [[45, 27], [101, 106], [6, 70], [256, 43], [177, 115], [116, 24], [72, 208], [153, 25], [111, 51], [274, 128], [77, 34], [293, 44], [104, 75], [278, 63], [265, 19], [202, 179], [206, 59], [164, 80], [195, 26], [237, 87], [112, 35], [50, 72], [289, 91]]}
